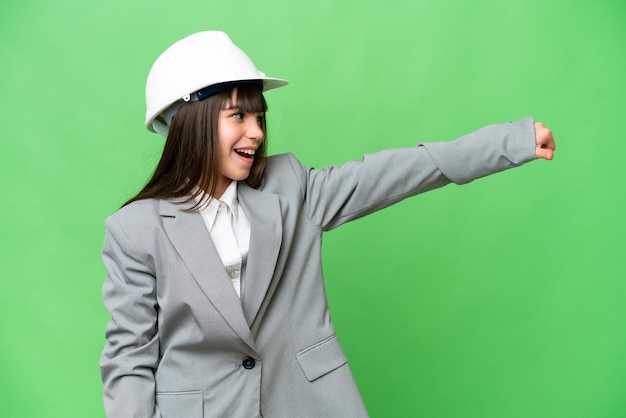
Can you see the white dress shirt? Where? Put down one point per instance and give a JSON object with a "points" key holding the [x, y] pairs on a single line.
{"points": [[229, 228]]}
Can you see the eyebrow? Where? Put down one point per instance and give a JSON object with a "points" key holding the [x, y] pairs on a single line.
{"points": [[237, 107]]}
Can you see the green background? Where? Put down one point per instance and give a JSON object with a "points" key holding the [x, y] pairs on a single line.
{"points": [[502, 298]]}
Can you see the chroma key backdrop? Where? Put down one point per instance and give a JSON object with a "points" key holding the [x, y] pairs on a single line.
{"points": [[501, 298]]}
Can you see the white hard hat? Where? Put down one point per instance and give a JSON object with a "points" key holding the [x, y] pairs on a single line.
{"points": [[191, 64]]}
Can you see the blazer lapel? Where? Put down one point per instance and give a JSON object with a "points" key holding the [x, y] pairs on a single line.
{"points": [[263, 211], [191, 239]]}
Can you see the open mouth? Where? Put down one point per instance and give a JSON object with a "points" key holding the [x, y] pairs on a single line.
{"points": [[246, 153]]}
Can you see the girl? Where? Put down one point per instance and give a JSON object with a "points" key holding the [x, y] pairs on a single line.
{"points": [[214, 280]]}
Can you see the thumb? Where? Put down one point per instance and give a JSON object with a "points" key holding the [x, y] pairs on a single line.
{"points": [[544, 152], [544, 142]]}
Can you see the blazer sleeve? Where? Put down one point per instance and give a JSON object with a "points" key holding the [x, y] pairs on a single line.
{"points": [[338, 194], [131, 353]]}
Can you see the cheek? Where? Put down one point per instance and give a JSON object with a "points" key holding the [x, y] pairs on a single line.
{"points": [[226, 137], [223, 142], [221, 147]]}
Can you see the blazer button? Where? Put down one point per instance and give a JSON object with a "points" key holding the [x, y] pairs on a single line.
{"points": [[248, 363]]}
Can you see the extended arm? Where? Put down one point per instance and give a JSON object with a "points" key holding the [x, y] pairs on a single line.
{"points": [[335, 195]]}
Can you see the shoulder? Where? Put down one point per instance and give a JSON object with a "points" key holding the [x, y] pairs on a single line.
{"points": [[137, 215], [137, 210], [284, 171], [282, 162]]}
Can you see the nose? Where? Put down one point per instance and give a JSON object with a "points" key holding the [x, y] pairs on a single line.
{"points": [[253, 128]]}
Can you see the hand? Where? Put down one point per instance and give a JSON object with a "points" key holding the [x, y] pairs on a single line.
{"points": [[544, 141]]}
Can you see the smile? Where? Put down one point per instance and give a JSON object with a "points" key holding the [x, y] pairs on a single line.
{"points": [[245, 153]]}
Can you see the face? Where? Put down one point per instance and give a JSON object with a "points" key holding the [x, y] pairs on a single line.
{"points": [[239, 136]]}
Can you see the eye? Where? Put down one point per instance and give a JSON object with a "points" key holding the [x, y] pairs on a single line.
{"points": [[260, 119], [237, 115]]}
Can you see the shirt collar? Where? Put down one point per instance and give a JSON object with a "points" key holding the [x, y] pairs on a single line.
{"points": [[210, 205], [230, 196]]}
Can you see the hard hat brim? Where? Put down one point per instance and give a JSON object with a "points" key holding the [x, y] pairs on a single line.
{"points": [[269, 83]]}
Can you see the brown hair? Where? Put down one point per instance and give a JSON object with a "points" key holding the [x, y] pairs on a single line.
{"points": [[189, 157]]}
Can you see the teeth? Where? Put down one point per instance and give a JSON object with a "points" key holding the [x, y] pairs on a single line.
{"points": [[246, 151]]}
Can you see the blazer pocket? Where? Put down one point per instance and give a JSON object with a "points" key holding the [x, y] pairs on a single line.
{"points": [[321, 358], [180, 404]]}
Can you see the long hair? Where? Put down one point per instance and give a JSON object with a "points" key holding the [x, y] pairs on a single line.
{"points": [[189, 166]]}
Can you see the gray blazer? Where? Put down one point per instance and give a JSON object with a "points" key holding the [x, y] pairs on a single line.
{"points": [[181, 344]]}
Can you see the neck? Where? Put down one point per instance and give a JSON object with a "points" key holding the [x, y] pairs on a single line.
{"points": [[222, 185]]}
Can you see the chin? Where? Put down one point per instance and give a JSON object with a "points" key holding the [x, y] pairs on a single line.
{"points": [[241, 177]]}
